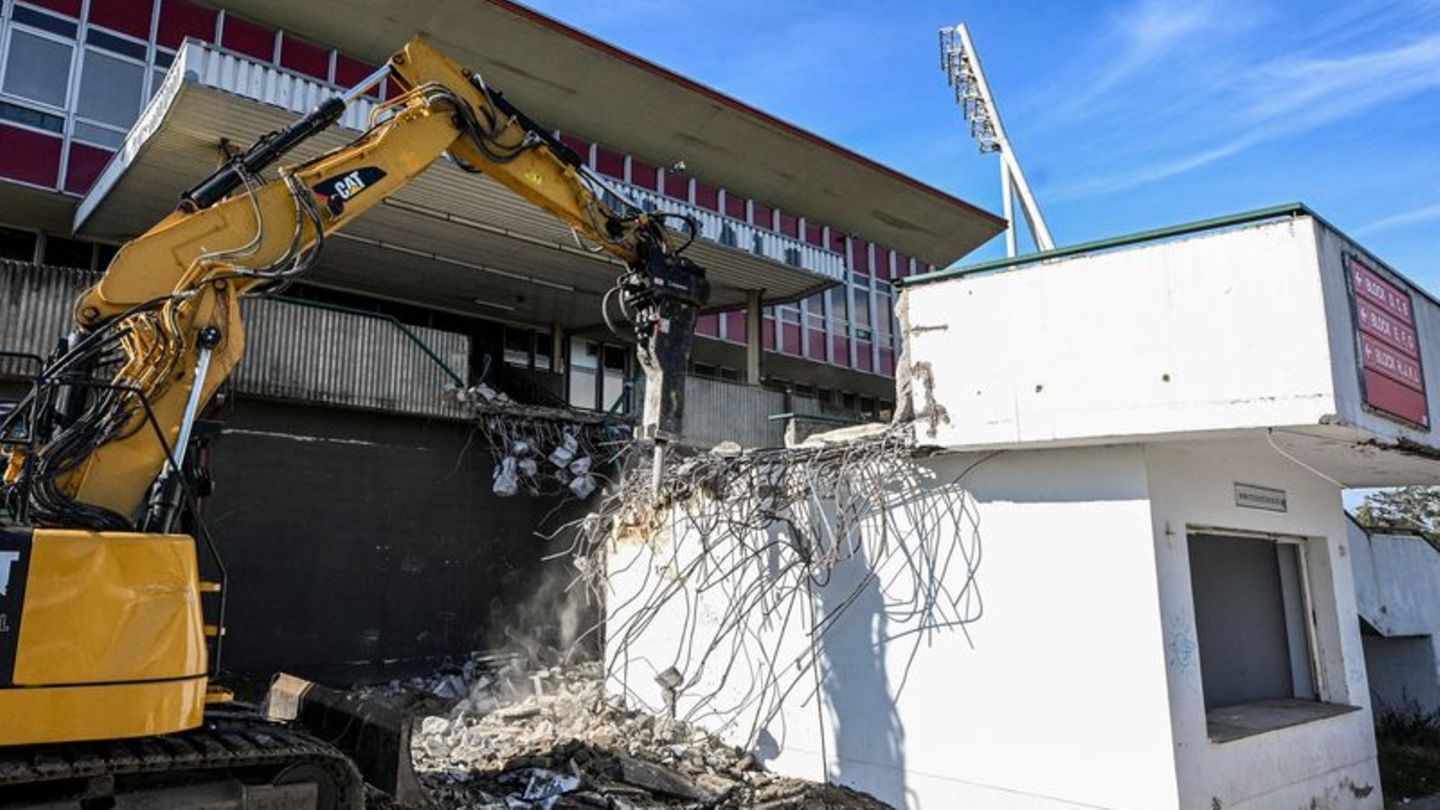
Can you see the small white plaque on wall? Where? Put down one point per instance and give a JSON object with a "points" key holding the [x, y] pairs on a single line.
{"points": [[1253, 497]]}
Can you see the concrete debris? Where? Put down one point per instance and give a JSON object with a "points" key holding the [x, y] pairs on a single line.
{"points": [[512, 738]]}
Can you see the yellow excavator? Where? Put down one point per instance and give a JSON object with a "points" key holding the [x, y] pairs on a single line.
{"points": [[109, 634]]}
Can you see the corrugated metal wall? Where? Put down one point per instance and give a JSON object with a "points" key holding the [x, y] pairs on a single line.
{"points": [[35, 306], [298, 352], [294, 352], [717, 411]]}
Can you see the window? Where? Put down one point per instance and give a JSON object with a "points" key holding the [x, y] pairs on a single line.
{"points": [[60, 252], [31, 118], [37, 68], [99, 136], [838, 306], [17, 245], [861, 297], [1254, 634], [815, 305], [517, 347], [104, 254], [615, 358], [110, 90], [542, 351]]}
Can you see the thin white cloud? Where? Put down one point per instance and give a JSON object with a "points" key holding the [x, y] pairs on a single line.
{"points": [[1134, 42], [1404, 219], [1275, 100]]}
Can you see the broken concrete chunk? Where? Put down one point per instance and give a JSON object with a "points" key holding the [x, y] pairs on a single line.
{"points": [[660, 779], [518, 712]]}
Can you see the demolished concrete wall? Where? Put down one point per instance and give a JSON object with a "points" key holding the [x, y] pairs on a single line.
{"points": [[1014, 663]]}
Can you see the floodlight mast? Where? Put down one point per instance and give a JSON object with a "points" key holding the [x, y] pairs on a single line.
{"points": [[961, 65]]}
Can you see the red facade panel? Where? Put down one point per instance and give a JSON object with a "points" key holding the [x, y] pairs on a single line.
{"points": [[126, 16], [814, 234], [789, 225], [68, 7], [767, 334], [735, 326], [677, 186], [841, 347], [350, 72], [580, 145], [29, 157], [763, 216], [243, 36], [304, 57], [860, 256], [179, 19], [902, 265], [791, 333], [887, 362], [610, 163], [707, 197], [735, 206], [708, 325], [644, 175], [882, 262], [863, 359], [815, 344], [84, 166]]}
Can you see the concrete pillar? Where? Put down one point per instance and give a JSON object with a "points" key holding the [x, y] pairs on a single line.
{"points": [[753, 348], [557, 349]]}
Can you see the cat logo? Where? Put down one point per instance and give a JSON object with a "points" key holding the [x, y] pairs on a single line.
{"points": [[345, 187], [349, 185]]}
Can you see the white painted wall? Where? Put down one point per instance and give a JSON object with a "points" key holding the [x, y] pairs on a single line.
{"points": [[1080, 684], [1397, 581], [1397, 590], [1329, 761], [1231, 330], [1055, 697], [1080, 349]]}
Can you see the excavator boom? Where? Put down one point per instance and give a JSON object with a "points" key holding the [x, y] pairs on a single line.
{"points": [[110, 633], [237, 234]]}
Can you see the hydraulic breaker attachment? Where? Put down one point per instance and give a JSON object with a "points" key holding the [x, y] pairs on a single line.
{"points": [[374, 736]]}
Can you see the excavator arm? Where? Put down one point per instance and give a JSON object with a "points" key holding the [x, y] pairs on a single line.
{"points": [[164, 321]]}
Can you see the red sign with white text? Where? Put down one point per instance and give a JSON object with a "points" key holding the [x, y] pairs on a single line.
{"points": [[1391, 374]]}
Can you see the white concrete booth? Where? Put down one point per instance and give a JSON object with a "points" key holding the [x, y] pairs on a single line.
{"points": [[1117, 574]]}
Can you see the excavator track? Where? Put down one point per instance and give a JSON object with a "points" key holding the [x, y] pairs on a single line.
{"points": [[241, 763]]}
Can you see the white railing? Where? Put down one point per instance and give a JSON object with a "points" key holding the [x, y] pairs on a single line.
{"points": [[220, 69], [233, 73], [742, 235]]}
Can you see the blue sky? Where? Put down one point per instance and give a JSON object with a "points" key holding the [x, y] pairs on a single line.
{"points": [[1127, 114]]}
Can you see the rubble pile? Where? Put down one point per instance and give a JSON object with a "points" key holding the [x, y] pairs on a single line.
{"points": [[496, 735]]}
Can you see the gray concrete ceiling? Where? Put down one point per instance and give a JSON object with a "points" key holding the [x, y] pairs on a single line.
{"points": [[450, 240], [569, 80]]}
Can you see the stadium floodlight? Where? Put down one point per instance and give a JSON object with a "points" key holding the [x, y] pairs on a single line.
{"points": [[961, 65]]}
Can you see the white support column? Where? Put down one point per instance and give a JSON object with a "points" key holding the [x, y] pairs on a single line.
{"points": [[754, 322]]}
